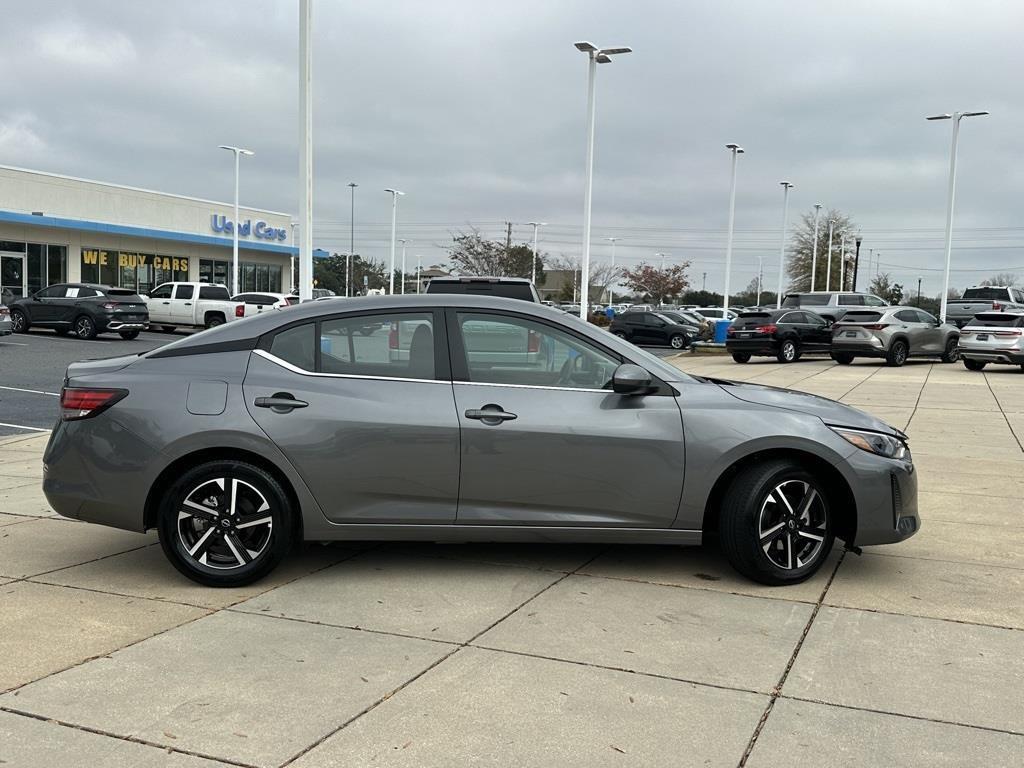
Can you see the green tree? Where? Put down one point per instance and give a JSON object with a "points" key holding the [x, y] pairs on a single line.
{"points": [[701, 298], [800, 253], [884, 288], [748, 296], [329, 273], [659, 284]]}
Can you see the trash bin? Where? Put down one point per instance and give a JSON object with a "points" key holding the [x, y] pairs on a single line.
{"points": [[721, 326]]}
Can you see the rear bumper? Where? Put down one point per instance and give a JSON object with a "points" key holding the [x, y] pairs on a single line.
{"points": [[992, 356], [752, 346], [117, 325], [859, 348]]}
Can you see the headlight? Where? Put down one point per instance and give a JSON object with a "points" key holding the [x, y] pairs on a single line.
{"points": [[889, 446]]}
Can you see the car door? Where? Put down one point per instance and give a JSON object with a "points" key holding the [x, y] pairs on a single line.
{"points": [[818, 332], [183, 304], [160, 304], [42, 307], [910, 325], [64, 309], [655, 329], [374, 434], [635, 327], [544, 439], [932, 336]]}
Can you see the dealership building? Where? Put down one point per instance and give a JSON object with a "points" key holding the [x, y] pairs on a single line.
{"points": [[57, 229]]}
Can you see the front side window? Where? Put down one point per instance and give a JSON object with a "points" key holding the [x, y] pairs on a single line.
{"points": [[398, 345], [504, 349], [184, 292], [53, 292], [907, 316], [161, 292], [813, 300], [851, 300], [874, 301], [924, 317]]}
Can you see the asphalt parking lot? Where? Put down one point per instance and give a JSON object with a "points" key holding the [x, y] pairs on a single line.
{"points": [[448, 655]]}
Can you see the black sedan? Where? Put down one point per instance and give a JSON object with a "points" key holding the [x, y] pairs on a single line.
{"points": [[84, 309], [653, 328], [784, 334]]}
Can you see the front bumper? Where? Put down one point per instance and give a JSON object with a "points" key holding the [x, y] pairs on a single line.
{"points": [[885, 492]]}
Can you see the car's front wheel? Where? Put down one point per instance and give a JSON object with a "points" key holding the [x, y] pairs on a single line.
{"points": [[226, 523], [741, 357], [85, 328], [19, 323], [789, 351], [776, 523], [678, 341], [951, 353]]}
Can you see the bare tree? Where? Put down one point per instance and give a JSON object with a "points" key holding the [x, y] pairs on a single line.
{"points": [[800, 251], [601, 275], [1001, 279]]}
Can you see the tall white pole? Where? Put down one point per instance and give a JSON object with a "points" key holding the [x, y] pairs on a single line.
{"points": [[305, 151], [814, 246], [786, 186], [949, 214], [828, 270], [417, 273], [404, 243], [611, 278], [760, 273], [533, 270], [234, 239], [291, 264], [588, 186], [394, 223], [842, 262], [736, 150]]}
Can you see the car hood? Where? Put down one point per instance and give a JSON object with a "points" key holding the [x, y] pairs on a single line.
{"points": [[829, 411]]}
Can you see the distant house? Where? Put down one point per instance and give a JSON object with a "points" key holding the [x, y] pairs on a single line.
{"points": [[425, 277], [555, 280]]}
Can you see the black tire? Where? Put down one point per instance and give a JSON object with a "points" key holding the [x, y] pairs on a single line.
{"points": [[214, 320], [789, 351], [19, 323], [84, 327], [897, 354], [168, 328], [741, 357], [951, 354], [62, 331], [843, 358], [750, 511], [677, 341], [976, 365], [212, 549], [128, 335]]}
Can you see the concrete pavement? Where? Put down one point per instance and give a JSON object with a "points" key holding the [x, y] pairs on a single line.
{"points": [[500, 655]]}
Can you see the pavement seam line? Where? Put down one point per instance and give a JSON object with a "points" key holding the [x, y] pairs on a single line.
{"points": [[922, 616], [777, 689], [437, 663], [999, 405], [920, 394], [119, 737]]}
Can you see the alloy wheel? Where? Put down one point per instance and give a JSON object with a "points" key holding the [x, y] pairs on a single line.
{"points": [[225, 523], [677, 342], [17, 322], [84, 328], [793, 524]]}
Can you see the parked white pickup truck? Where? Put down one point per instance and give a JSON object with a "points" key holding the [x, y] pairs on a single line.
{"points": [[191, 305]]}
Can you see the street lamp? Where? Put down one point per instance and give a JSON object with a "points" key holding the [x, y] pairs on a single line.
{"points": [[595, 56], [291, 263], [404, 242], [351, 238], [611, 277], [814, 247], [663, 255], [736, 150], [842, 262], [828, 270], [786, 186], [394, 221], [238, 151], [535, 225], [956, 117]]}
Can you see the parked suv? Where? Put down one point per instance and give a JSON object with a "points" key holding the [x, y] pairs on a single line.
{"points": [[993, 337], [784, 334], [832, 305], [651, 328], [503, 287], [982, 298], [893, 333], [84, 309]]}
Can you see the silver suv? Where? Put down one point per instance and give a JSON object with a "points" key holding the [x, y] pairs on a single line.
{"points": [[832, 305], [893, 333], [993, 337]]}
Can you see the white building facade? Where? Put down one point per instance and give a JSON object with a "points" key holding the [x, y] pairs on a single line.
{"points": [[56, 229]]}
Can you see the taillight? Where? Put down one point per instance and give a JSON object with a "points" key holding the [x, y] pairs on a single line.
{"points": [[875, 326], [997, 305], [766, 329], [86, 403], [108, 305], [1008, 333], [393, 337], [532, 341], [4, 312], [730, 331], [239, 310]]}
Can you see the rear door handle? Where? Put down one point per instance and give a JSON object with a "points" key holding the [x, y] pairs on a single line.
{"points": [[280, 402], [490, 414]]}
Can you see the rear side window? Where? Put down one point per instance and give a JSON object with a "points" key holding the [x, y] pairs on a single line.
{"points": [[814, 300], [296, 346], [997, 320], [851, 300], [855, 316], [213, 292], [385, 346], [908, 316], [184, 291], [792, 318]]}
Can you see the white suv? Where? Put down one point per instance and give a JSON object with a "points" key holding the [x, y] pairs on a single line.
{"points": [[832, 305]]}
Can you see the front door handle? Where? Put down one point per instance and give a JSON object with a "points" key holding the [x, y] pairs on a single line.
{"points": [[281, 402], [490, 414]]}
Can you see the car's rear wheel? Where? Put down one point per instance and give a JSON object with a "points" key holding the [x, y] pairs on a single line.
{"points": [[741, 357], [951, 354], [84, 327], [843, 358], [226, 523], [776, 523], [168, 328], [897, 354], [678, 341], [789, 351], [19, 323], [975, 365], [129, 335], [214, 320]]}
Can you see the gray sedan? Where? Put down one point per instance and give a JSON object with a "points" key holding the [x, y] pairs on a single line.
{"points": [[460, 418]]}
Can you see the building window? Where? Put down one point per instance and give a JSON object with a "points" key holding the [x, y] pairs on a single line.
{"points": [[43, 264], [129, 269], [252, 277]]}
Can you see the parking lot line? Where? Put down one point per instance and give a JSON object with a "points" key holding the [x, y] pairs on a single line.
{"points": [[31, 391], [19, 426]]}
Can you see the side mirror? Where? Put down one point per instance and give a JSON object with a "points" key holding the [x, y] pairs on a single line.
{"points": [[629, 379]]}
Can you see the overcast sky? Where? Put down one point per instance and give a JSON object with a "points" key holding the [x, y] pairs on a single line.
{"points": [[476, 109]]}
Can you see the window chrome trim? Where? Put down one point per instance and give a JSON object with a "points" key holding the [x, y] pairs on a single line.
{"points": [[532, 386], [295, 369]]}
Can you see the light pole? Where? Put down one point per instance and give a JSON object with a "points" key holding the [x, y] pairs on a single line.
{"points": [[956, 117], [736, 150], [786, 186], [611, 278], [238, 151], [704, 282], [404, 242], [663, 255], [291, 263], [842, 262], [760, 273], [394, 221], [351, 238], [828, 270], [918, 292], [814, 247], [417, 273], [595, 56], [535, 225]]}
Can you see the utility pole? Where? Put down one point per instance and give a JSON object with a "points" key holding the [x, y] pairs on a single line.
{"points": [[351, 238], [919, 293], [856, 263], [508, 241], [704, 283]]}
